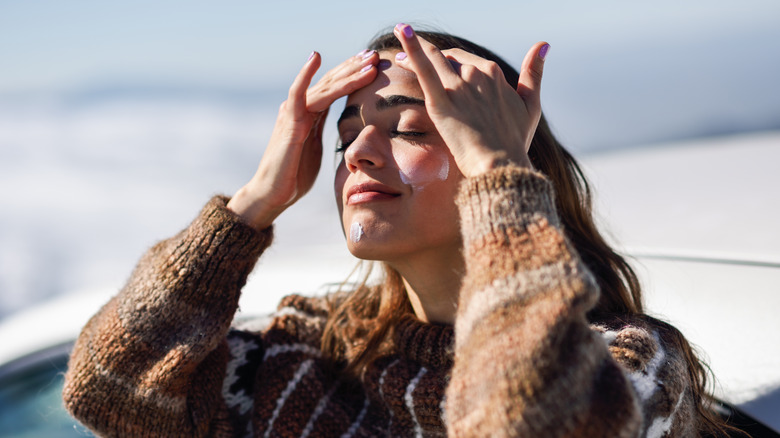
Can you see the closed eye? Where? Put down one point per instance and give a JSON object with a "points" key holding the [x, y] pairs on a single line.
{"points": [[411, 136], [343, 145]]}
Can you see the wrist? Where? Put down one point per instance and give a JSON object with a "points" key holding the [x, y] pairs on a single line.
{"points": [[494, 160], [252, 210]]}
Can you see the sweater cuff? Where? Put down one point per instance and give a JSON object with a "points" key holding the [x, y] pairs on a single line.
{"points": [[218, 248], [502, 198], [216, 219]]}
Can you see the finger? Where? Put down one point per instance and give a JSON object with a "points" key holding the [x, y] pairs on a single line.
{"points": [[297, 94], [433, 70], [315, 135], [349, 76], [350, 66], [529, 84], [460, 57], [312, 149]]}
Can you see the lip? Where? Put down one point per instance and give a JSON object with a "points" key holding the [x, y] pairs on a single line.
{"points": [[370, 192]]}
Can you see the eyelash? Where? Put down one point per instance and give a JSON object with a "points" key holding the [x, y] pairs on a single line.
{"points": [[410, 136]]}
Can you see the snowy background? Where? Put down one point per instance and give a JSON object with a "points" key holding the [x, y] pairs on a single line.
{"points": [[118, 122]]}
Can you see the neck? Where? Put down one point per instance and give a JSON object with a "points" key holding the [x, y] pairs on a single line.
{"points": [[433, 284]]}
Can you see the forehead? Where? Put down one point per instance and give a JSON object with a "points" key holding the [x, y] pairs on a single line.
{"points": [[391, 80]]}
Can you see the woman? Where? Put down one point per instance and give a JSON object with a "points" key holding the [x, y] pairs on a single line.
{"points": [[503, 312]]}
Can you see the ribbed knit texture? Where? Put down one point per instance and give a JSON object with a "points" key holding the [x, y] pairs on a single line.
{"points": [[160, 359]]}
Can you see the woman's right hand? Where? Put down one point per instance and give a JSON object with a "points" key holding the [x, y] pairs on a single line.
{"points": [[292, 159], [484, 121]]}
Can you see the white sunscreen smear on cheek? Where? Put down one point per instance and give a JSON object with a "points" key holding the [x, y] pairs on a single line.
{"points": [[355, 232], [404, 177], [419, 177], [444, 171]]}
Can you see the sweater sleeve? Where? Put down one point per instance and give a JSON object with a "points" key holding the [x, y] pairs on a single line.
{"points": [[527, 362], [152, 361]]}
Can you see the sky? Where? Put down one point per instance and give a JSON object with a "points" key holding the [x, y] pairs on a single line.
{"points": [[709, 61], [50, 45]]}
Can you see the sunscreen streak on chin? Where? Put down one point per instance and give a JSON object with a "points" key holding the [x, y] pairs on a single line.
{"points": [[355, 232]]}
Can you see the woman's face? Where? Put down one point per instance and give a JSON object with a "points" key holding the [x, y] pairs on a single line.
{"points": [[396, 183]]}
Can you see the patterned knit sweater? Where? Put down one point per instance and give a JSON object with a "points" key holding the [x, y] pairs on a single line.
{"points": [[161, 358]]}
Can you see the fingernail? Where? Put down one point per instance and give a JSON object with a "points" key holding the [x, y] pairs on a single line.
{"points": [[368, 54], [362, 52], [400, 56], [406, 29], [543, 51], [311, 55], [366, 68]]}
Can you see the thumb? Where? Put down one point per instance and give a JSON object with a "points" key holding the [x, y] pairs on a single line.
{"points": [[530, 82], [319, 125]]}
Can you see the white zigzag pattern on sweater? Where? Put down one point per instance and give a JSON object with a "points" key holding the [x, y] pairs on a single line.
{"points": [[239, 349]]}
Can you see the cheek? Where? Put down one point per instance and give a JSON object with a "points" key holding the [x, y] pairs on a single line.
{"points": [[338, 185], [419, 168]]}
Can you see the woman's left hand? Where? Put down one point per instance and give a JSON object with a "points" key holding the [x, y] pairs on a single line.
{"points": [[291, 160], [482, 119]]}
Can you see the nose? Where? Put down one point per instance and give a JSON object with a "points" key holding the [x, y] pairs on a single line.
{"points": [[366, 152]]}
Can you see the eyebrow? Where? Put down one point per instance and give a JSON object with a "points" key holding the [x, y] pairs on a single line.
{"points": [[381, 105]]}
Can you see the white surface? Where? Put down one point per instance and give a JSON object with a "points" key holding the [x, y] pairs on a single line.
{"points": [[730, 313], [55, 322], [711, 198], [713, 195]]}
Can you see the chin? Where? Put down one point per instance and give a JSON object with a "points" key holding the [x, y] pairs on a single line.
{"points": [[376, 249], [365, 251]]}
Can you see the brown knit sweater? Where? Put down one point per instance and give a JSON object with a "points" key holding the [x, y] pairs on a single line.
{"points": [[161, 358]]}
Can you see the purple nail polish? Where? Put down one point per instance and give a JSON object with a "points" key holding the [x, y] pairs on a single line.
{"points": [[366, 68], [400, 56], [543, 51], [405, 29], [362, 52], [311, 55], [368, 54]]}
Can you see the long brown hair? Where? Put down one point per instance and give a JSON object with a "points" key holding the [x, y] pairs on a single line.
{"points": [[361, 325]]}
